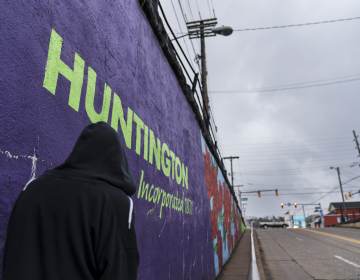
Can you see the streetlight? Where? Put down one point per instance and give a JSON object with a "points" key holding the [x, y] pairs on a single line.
{"points": [[223, 30], [201, 29], [341, 190]]}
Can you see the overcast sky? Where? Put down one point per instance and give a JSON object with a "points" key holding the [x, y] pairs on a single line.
{"points": [[285, 139]]}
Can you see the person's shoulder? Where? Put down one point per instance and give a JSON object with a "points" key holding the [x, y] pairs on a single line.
{"points": [[117, 196]]}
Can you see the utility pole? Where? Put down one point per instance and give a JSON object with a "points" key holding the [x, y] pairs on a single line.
{"points": [[204, 73], [231, 158], [200, 29], [356, 142], [342, 193]]}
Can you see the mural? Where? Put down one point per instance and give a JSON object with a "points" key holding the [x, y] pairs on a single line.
{"points": [[66, 64], [225, 218]]}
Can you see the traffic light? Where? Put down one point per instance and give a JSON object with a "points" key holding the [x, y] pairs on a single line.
{"points": [[282, 205], [259, 193], [277, 193], [295, 205]]}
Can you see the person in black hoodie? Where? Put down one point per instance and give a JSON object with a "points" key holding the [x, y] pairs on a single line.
{"points": [[76, 221]]}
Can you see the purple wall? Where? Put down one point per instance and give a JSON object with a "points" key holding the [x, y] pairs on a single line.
{"points": [[38, 127]]}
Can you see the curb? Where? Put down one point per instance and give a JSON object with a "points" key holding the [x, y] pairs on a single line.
{"points": [[260, 258]]}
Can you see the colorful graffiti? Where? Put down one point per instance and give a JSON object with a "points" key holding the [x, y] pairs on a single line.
{"points": [[225, 218]]}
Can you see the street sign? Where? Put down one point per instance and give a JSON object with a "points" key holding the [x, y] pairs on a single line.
{"points": [[244, 199]]}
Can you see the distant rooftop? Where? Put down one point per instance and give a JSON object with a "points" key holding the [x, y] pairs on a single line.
{"points": [[348, 205]]}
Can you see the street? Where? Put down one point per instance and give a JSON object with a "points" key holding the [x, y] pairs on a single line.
{"points": [[332, 253]]}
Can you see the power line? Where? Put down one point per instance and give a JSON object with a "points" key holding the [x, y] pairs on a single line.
{"points": [[347, 145], [208, 3], [317, 139], [213, 8], [300, 193], [296, 153], [191, 13], [277, 150], [185, 20], [285, 87], [180, 29], [286, 169], [197, 5], [296, 24], [344, 183], [281, 173], [178, 44], [310, 147], [182, 11], [303, 159], [303, 190], [325, 195]]}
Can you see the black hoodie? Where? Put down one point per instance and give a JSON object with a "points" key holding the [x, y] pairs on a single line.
{"points": [[75, 221]]}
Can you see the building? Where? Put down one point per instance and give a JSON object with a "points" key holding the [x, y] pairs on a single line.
{"points": [[350, 211]]}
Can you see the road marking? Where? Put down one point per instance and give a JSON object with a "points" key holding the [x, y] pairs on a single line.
{"points": [[254, 267], [299, 239], [347, 261], [352, 240]]}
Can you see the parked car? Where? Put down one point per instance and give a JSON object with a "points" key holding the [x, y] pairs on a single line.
{"points": [[266, 225]]}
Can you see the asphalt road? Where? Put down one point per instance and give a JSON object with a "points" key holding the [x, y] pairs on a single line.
{"points": [[301, 254]]}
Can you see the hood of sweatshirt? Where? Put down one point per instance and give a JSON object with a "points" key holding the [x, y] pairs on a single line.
{"points": [[99, 154]]}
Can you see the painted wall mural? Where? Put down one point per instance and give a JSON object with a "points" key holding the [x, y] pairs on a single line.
{"points": [[225, 218], [65, 64]]}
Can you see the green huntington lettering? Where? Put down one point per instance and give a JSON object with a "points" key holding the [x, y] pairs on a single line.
{"points": [[139, 126], [168, 198], [55, 66], [173, 156], [181, 204], [144, 190], [118, 115], [178, 170], [155, 150], [140, 183], [173, 202], [165, 161], [185, 177], [159, 196], [150, 194], [146, 141], [90, 97], [177, 203]]}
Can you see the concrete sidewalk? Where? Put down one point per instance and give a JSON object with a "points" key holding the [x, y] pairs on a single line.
{"points": [[239, 265]]}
